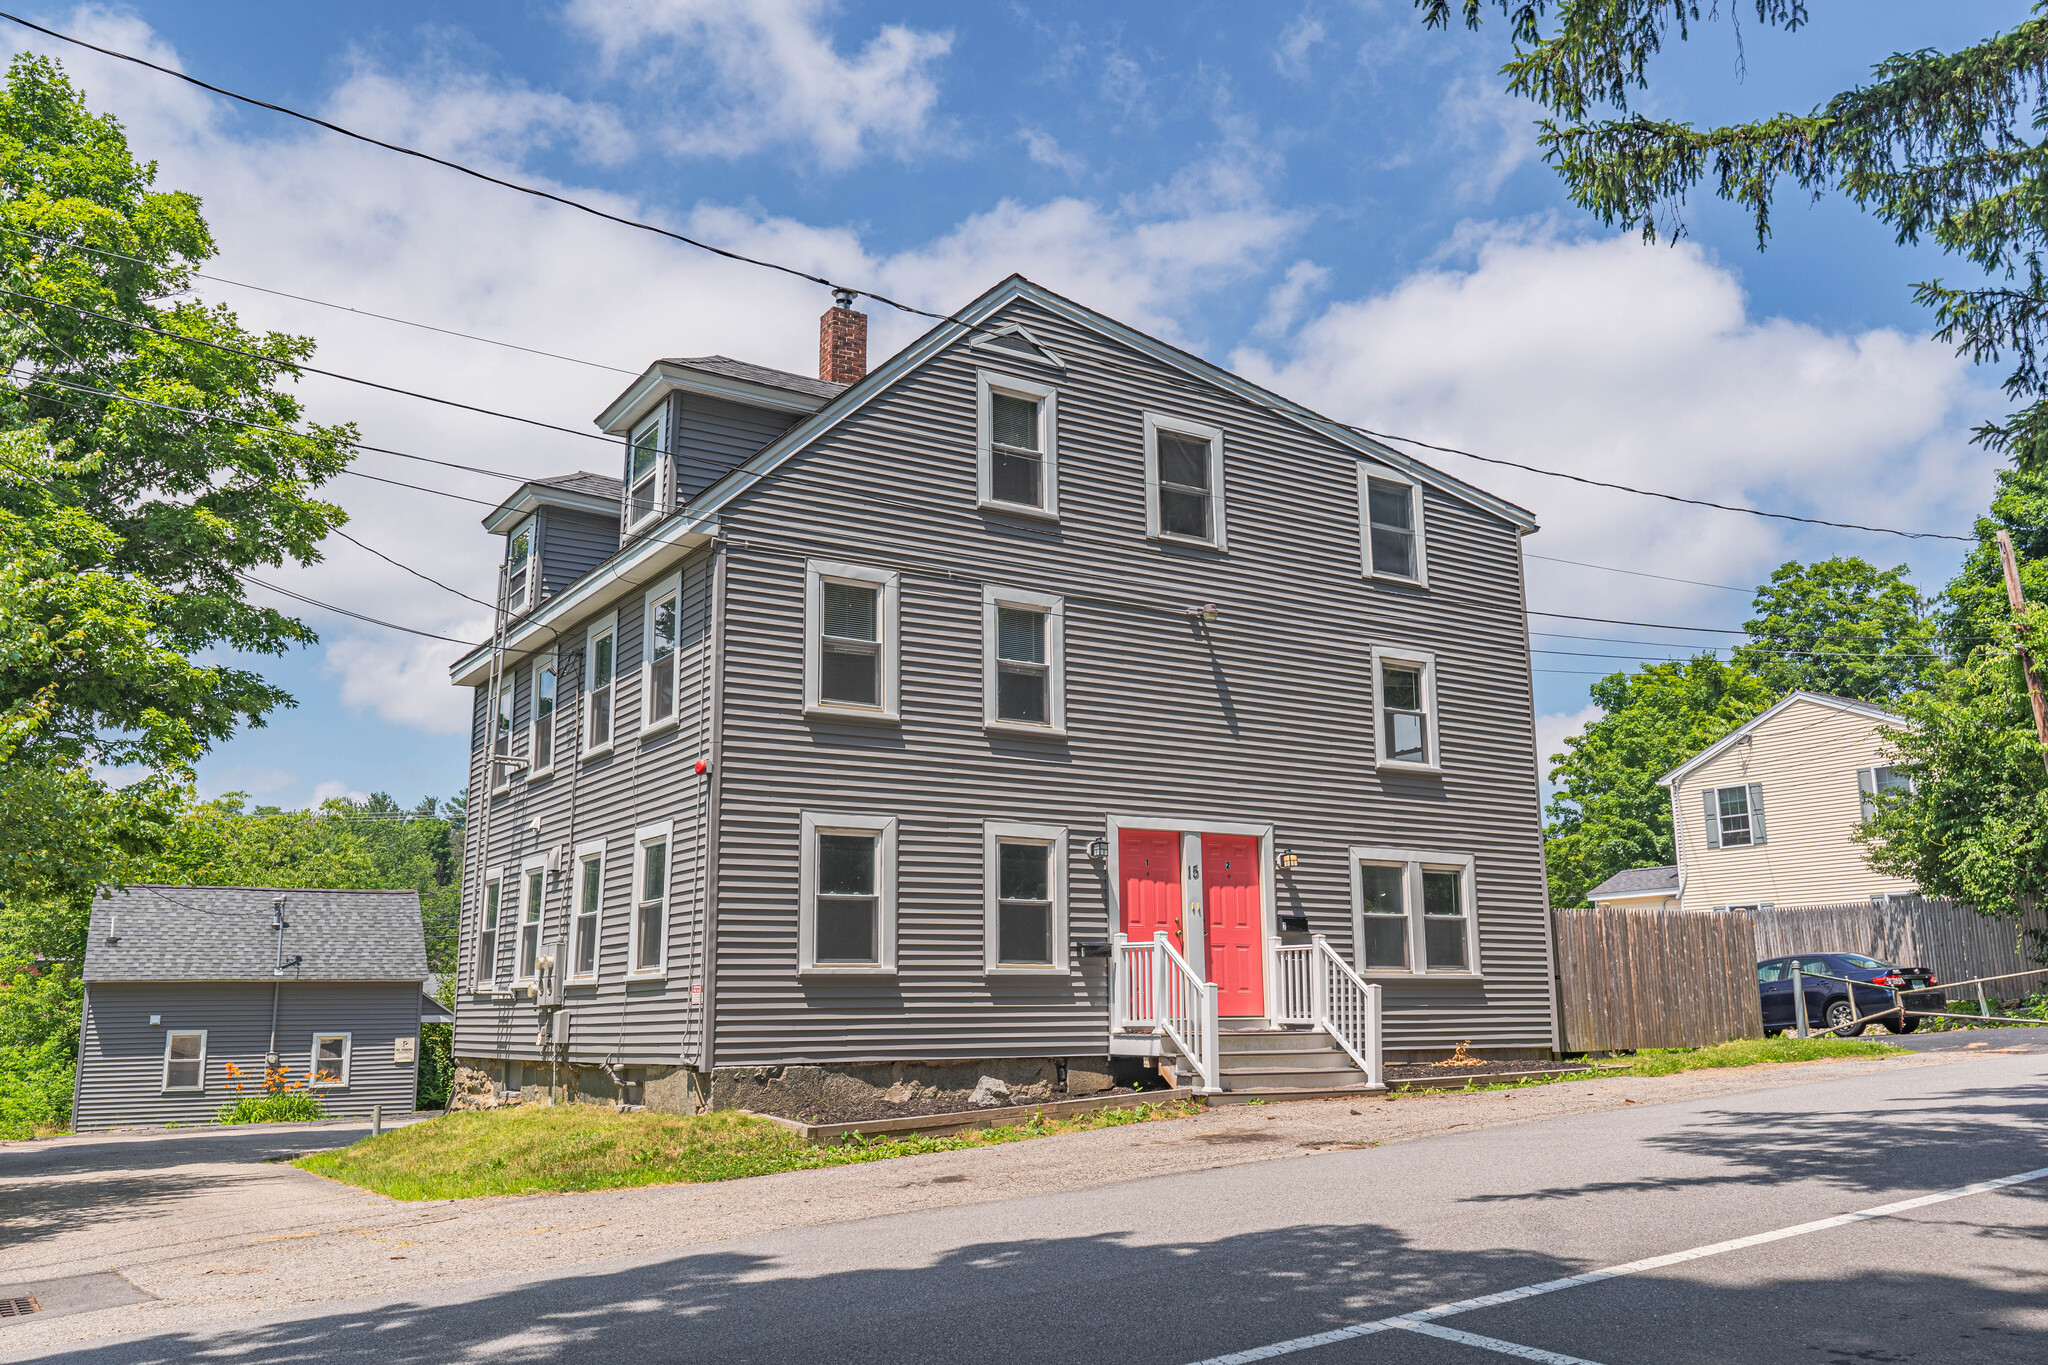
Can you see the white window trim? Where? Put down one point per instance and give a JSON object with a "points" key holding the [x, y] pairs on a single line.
{"points": [[1424, 659], [505, 702], [659, 420], [528, 590], [487, 983], [1368, 472], [1413, 862], [542, 664], [812, 824], [986, 385], [597, 631], [1759, 831], [1054, 838], [1154, 424], [527, 867], [816, 572], [648, 724], [169, 1089], [585, 851], [348, 1050], [1054, 607], [642, 837]]}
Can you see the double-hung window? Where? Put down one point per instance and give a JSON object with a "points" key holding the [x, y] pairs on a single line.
{"points": [[1404, 690], [658, 669], [1183, 481], [328, 1069], [650, 899], [534, 876], [1017, 427], [1879, 784], [1735, 815], [1025, 897], [1023, 661], [501, 735], [589, 910], [185, 1060], [540, 739], [850, 631], [846, 888], [1390, 510], [486, 977], [520, 569], [643, 472], [600, 669], [1413, 911]]}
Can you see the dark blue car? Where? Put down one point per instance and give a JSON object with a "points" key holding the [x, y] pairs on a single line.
{"points": [[1828, 1004]]}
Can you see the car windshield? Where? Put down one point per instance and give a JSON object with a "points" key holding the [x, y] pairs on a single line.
{"points": [[1869, 964]]}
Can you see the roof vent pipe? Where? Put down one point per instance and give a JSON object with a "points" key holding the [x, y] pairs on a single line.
{"points": [[842, 341]]}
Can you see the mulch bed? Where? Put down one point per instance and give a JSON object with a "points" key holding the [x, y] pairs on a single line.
{"points": [[1424, 1071], [868, 1113]]}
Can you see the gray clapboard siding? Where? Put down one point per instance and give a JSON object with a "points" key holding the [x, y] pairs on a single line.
{"points": [[712, 437], [122, 1054], [571, 544]]}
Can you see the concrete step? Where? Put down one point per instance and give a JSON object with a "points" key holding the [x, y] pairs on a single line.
{"points": [[1275, 1040], [1286, 1078], [1332, 1060]]}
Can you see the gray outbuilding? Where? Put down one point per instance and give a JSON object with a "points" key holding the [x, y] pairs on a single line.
{"points": [[191, 992]]}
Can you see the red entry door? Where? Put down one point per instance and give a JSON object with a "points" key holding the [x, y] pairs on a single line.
{"points": [[1235, 927], [1148, 862]]}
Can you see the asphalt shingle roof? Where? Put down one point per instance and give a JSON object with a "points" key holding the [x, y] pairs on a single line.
{"points": [[583, 481], [223, 933], [1636, 881], [758, 374]]}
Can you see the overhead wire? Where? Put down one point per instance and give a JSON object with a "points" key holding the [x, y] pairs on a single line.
{"points": [[887, 301]]}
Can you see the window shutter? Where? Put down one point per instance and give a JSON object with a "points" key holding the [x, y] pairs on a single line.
{"points": [[1756, 813], [1713, 819], [1866, 783]]}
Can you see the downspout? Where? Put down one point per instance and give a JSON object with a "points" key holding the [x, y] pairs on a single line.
{"points": [[715, 781], [277, 980]]}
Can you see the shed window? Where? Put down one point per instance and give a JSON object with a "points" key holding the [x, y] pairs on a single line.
{"points": [[643, 472], [329, 1069], [185, 1060], [521, 571]]}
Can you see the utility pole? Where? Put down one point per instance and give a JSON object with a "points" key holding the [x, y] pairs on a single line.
{"points": [[2011, 563]]}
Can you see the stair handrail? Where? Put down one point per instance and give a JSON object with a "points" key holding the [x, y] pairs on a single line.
{"points": [[1347, 1007], [1195, 1027]]}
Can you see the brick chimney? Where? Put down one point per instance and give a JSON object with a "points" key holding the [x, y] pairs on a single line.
{"points": [[842, 341]]}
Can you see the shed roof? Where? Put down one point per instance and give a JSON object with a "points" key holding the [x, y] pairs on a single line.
{"points": [[757, 374], [1637, 881], [223, 933]]}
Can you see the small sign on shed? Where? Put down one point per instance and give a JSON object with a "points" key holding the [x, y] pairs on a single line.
{"points": [[402, 1050]]}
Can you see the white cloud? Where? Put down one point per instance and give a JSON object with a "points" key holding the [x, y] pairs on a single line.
{"points": [[770, 72], [337, 790], [1643, 365], [1554, 729], [1297, 40], [1043, 148], [1284, 303]]}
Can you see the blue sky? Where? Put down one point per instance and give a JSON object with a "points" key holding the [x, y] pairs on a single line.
{"points": [[1324, 197]]}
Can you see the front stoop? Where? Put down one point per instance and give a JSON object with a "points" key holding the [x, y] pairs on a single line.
{"points": [[1286, 1064]]}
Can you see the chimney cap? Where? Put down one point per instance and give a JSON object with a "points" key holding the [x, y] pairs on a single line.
{"points": [[843, 297]]}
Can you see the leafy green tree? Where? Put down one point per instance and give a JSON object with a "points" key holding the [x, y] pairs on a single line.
{"points": [[1941, 146], [1839, 626], [1608, 812]]}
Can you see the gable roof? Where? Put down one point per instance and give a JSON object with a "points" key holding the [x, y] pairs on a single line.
{"points": [[223, 933], [1637, 881], [1853, 705], [692, 525], [582, 490]]}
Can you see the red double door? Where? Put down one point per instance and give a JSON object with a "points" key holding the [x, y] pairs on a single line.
{"points": [[1149, 866]]}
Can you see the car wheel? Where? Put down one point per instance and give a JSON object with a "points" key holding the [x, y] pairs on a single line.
{"points": [[1840, 1016]]}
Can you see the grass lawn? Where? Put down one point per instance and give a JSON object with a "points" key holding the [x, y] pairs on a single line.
{"points": [[1667, 1061], [536, 1150]]}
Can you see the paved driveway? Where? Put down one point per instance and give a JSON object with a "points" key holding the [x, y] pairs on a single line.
{"points": [[1183, 1241]]}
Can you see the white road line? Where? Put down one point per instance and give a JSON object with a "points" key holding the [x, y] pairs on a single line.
{"points": [[1494, 1344], [1444, 1310]]}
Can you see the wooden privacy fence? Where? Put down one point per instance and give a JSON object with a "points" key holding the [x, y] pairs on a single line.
{"points": [[1947, 937], [1656, 978], [1687, 978]]}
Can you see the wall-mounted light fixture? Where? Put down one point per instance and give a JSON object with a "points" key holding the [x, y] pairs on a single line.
{"points": [[1287, 860], [1098, 849], [1206, 612]]}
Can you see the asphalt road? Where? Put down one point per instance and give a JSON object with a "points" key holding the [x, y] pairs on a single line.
{"points": [[1251, 1260]]}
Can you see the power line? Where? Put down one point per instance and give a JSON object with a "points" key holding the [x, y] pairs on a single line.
{"points": [[344, 611], [1638, 573], [1646, 625], [307, 369], [895, 303], [411, 570]]}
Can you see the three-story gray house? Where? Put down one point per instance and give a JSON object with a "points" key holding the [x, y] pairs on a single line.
{"points": [[882, 723]]}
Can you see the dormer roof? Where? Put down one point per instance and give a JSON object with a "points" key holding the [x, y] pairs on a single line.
{"points": [[583, 491], [717, 376]]}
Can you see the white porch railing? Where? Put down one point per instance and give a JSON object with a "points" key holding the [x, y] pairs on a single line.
{"points": [[1313, 985], [1155, 988]]}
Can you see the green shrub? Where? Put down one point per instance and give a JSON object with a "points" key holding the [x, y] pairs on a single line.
{"points": [[287, 1108]]}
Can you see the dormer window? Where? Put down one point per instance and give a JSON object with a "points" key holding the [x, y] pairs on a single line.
{"points": [[643, 472], [519, 569]]}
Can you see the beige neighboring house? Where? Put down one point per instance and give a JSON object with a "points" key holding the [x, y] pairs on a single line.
{"points": [[1763, 818]]}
